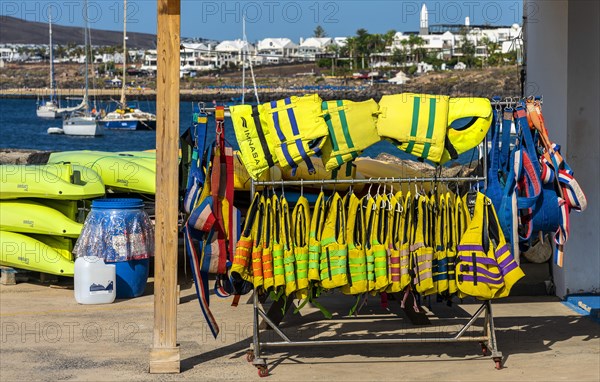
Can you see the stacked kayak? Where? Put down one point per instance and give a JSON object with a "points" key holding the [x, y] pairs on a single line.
{"points": [[121, 172], [38, 214], [135, 171]]}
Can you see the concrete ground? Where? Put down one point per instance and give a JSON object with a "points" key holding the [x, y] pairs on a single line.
{"points": [[46, 335]]}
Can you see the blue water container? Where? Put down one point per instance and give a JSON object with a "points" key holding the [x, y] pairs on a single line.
{"points": [[132, 276], [120, 232]]}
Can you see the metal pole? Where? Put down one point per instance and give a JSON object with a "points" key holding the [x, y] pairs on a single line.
{"points": [[366, 181]]}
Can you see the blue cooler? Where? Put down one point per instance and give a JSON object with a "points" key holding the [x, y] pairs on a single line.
{"points": [[120, 232]]}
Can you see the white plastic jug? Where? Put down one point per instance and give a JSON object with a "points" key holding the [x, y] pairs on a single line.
{"points": [[95, 281]]}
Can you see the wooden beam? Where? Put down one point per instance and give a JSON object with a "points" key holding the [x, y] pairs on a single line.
{"points": [[164, 356]]}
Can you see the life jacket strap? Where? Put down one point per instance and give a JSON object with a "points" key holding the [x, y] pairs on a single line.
{"points": [[261, 137]]}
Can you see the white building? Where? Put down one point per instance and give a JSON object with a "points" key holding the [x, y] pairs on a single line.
{"points": [[312, 46], [276, 50], [231, 52], [8, 54]]}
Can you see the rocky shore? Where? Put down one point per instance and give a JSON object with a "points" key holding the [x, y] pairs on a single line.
{"points": [[276, 83]]}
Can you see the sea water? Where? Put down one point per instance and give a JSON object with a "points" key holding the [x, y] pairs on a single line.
{"points": [[20, 128]]}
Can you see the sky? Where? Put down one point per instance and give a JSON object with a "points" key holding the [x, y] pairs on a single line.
{"points": [[222, 20]]}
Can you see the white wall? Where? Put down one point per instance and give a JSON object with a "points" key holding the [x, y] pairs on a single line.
{"points": [[583, 143], [563, 65]]}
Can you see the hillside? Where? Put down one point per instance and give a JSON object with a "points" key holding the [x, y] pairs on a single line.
{"points": [[21, 80], [18, 31]]}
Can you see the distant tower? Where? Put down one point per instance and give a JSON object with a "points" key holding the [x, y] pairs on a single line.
{"points": [[467, 22], [424, 29]]}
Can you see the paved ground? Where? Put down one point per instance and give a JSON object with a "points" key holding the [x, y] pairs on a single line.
{"points": [[46, 335]]}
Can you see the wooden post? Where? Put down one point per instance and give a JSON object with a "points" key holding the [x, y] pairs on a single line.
{"points": [[164, 357]]}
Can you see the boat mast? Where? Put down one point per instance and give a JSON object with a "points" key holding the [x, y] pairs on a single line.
{"points": [[52, 84], [244, 52], [123, 100], [85, 37]]}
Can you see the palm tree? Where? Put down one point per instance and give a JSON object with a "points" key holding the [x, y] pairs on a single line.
{"points": [[351, 49], [363, 39], [418, 42]]}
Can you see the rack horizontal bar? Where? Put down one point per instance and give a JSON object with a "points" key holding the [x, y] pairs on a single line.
{"points": [[494, 103], [366, 181]]}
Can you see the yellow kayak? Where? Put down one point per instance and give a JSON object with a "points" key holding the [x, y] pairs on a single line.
{"points": [[25, 252], [63, 181], [26, 216], [127, 172]]}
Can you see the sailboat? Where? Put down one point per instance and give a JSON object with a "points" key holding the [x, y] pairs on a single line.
{"points": [[126, 117], [82, 122], [51, 107]]}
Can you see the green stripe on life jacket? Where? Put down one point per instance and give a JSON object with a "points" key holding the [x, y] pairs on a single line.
{"points": [[301, 225], [314, 238], [355, 238], [278, 245], [370, 210], [334, 251], [415, 123], [289, 259], [424, 125], [379, 243], [352, 128]]}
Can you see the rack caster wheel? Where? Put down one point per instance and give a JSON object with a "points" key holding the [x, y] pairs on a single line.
{"points": [[263, 371], [498, 362], [250, 355], [484, 350]]}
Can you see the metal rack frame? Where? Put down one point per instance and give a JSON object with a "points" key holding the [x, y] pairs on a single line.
{"points": [[487, 339]]}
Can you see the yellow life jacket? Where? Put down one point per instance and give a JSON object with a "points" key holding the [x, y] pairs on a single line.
{"points": [[370, 212], [257, 247], [301, 224], [421, 250], [418, 124], [404, 241], [451, 242], [440, 258], [377, 241], [396, 217], [267, 251], [334, 251], [314, 238], [296, 127], [486, 269], [382, 258], [288, 249], [252, 138], [352, 128], [278, 245], [355, 238], [475, 117], [242, 259]]}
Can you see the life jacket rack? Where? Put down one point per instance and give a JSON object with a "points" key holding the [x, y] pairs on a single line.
{"points": [[487, 338]]}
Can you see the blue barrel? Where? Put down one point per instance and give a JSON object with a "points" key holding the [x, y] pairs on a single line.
{"points": [[120, 232]]}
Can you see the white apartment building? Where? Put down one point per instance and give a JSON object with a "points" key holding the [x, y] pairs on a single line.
{"points": [[276, 50], [312, 46]]}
